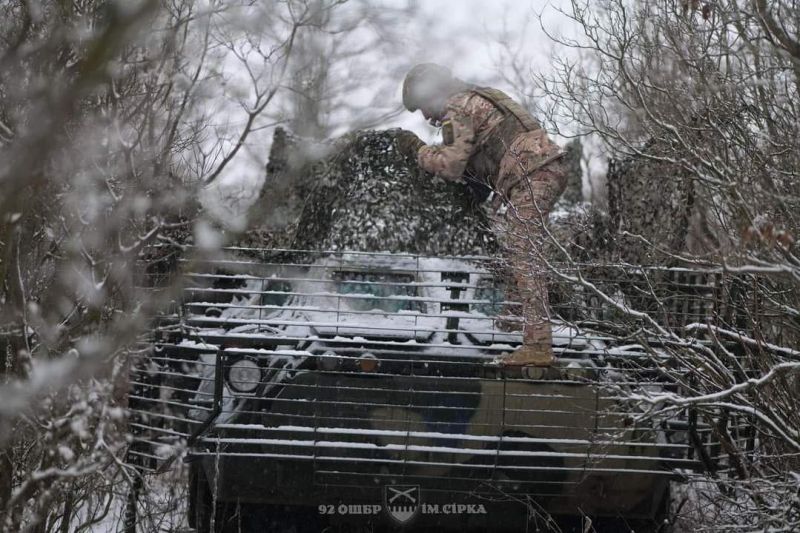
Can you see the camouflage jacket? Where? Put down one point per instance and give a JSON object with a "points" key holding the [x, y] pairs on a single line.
{"points": [[477, 138]]}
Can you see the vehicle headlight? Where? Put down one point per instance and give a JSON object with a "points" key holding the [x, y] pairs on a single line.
{"points": [[244, 375], [330, 360], [368, 363]]}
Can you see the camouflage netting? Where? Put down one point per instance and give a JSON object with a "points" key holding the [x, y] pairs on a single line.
{"points": [[365, 196], [359, 193], [666, 207]]}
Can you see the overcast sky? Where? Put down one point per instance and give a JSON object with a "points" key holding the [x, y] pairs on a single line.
{"points": [[467, 40]]}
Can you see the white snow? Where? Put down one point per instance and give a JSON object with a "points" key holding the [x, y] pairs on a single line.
{"points": [[66, 453]]}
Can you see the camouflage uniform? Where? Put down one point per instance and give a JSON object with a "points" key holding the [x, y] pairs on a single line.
{"points": [[488, 137]]}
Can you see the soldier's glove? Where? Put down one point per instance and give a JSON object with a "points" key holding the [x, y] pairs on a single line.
{"points": [[408, 144]]}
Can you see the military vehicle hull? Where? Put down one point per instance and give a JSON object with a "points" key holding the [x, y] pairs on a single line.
{"points": [[336, 383], [560, 444]]}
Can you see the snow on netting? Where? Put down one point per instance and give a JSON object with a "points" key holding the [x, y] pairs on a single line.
{"points": [[363, 367]]}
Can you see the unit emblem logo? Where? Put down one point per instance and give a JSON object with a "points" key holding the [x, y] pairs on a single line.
{"points": [[402, 502]]}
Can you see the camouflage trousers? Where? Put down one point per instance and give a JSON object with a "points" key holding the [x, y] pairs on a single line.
{"points": [[518, 216]]}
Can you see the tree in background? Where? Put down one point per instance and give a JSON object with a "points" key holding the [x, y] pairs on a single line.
{"points": [[697, 103], [345, 71], [107, 133]]}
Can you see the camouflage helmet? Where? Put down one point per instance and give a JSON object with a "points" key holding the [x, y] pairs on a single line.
{"points": [[423, 83]]}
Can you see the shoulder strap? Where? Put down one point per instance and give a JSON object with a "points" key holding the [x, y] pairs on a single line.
{"points": [[507, 106]]}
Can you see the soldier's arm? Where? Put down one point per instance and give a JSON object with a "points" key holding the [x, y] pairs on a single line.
{"points": [[449, 159]]}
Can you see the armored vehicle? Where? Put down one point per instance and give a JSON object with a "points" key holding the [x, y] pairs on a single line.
{"points": [[344, 386], [369, 389]]}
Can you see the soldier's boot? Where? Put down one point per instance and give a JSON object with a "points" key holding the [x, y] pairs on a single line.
{"points": [[537, 354], [537, 346]]}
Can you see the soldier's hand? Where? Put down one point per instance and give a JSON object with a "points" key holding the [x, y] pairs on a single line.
{"points": [[408, 144]]}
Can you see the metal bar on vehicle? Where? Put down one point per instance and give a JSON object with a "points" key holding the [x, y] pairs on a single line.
{"points": [[308, 320]]}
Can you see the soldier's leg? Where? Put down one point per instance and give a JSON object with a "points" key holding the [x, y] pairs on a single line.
{"points": [[530, 204]]}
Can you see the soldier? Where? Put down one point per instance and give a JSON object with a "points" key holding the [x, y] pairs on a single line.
{"points": [[491, 142]]}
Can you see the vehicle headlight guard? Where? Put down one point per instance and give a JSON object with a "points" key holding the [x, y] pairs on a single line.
{"points": [[244, 375]]}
